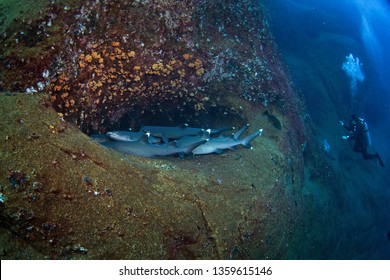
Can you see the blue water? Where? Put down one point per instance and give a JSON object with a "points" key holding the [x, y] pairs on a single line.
{"points": [[314, 38], [347, 26]]}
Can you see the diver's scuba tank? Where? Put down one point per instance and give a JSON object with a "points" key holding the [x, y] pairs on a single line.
{"points": [[366, 132]]}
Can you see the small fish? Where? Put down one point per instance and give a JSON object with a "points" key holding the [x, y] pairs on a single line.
{"points": [[217, 146], [326, 145], [273, 120]]}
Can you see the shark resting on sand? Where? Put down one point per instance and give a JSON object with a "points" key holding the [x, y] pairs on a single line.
{"points": [[177, 132], [144, 148], [164, 133], [194, 140]]}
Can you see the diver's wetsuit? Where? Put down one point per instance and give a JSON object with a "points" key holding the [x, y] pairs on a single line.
{"points": [[358, 132]]}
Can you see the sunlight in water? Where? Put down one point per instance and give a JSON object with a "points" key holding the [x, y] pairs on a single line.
{"points": [[352, 68]]}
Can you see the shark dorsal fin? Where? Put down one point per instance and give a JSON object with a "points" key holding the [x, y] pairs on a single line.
{"points": [[145, 138], [182, 126], [205, 134]]}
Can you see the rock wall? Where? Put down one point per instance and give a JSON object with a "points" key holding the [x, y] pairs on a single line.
{"points": [[101, 65]]}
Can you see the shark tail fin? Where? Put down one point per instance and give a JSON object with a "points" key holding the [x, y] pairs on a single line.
{"points": [[238, 134], [246, 142]]}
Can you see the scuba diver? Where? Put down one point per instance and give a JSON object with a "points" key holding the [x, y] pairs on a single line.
{"points": [[358, 131]]}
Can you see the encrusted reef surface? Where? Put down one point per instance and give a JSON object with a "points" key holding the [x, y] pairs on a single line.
{"points": [[71, 68], [124, 63]]}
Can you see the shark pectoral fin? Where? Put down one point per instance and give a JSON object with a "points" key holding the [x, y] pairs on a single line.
{"points": [[181, 155]]}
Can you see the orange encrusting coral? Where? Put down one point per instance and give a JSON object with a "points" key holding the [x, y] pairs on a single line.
{"points": [[125, 80]]}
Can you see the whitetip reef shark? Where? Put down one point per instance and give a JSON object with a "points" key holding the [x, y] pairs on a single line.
{"points": [[216, 145], [131, 136], [186, 140], [162, 132], [177, 132], [143, 148]]}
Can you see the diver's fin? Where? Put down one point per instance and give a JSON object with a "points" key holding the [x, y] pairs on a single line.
{"points": [[380, 160]]}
